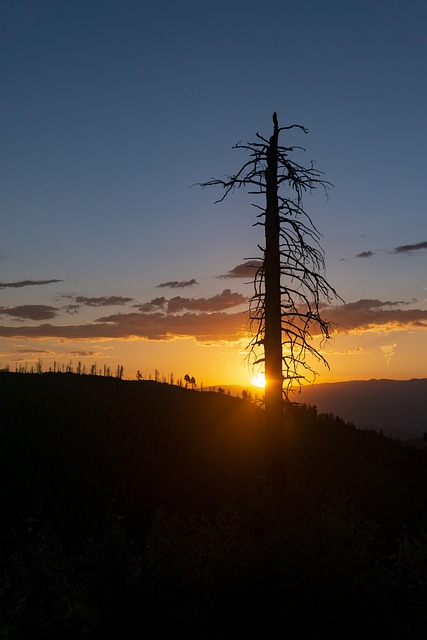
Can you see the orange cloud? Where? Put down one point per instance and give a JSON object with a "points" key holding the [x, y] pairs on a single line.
{"points": [[218, 325], [155, 326], [368, 315], [220, 302]]}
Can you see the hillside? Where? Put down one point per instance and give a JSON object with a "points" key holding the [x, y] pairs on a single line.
{"points": [[138, 509], [396, 407], [104, 438]]}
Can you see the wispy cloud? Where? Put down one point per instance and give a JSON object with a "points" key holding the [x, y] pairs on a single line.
{"points": [[30, 312], [27, 351], [357, 351], [365, 254], [84, 354], [104, 301], [25, 283], [388, 351], [83, 301], [245, 270], [71, 308], [408, 248], [404, 248], [178, 284]]}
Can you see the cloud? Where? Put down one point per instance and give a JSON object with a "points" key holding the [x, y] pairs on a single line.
{"points": [[365, 254], [175, 284], [357, 351], [407, 248], [30, 312], [84, 354], [215, 326], [219, 302], [160, 319], [25, 283], [72, 308], [201, 326], [204, 327], [245, 270], [153, 305], [103, 301], [368, 315], [388, 351], [22, 351], [83, 301]]}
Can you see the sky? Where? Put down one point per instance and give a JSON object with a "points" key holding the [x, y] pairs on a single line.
{"points": [[113, 111]]}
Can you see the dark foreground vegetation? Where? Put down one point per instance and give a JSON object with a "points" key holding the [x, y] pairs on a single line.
{"points": [[142, 510]]}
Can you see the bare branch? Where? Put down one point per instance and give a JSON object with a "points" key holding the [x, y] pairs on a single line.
{"points": [[293, 242]]}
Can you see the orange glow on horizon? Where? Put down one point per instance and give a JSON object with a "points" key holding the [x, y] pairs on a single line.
{"points": [[397, 356]]}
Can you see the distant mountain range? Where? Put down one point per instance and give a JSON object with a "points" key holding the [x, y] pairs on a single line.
{"points": [[396, 407]]}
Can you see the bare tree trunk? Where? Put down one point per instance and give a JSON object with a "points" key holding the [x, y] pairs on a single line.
{"points": [[288, 315], [273, 314]]}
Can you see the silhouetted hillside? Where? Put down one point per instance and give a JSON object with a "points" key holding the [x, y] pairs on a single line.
{"points": [[396, 407], [104, 439], [139, 509]]}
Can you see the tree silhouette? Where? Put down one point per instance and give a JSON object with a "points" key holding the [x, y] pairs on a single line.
{"points": [[189, 381], [290, 284]]}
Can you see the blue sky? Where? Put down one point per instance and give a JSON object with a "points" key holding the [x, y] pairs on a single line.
{"points": [[112, 110]]}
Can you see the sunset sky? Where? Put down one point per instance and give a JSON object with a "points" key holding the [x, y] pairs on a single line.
{"points": [[112, 110]]}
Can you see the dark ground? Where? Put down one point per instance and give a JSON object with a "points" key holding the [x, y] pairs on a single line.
{"points": [[137, 509]]}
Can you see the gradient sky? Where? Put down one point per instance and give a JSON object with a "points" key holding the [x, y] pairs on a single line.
{"points": [[111, 110]]}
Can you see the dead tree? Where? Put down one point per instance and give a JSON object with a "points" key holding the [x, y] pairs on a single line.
{"points": [[290, 284]]}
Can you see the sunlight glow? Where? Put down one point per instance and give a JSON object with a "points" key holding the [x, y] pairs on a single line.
{"points": [[259, 380]]}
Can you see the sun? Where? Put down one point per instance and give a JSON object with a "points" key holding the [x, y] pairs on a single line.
{"points": [[259, 380]]}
